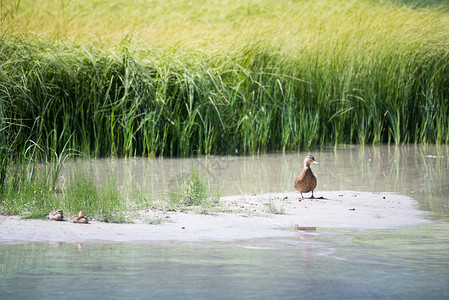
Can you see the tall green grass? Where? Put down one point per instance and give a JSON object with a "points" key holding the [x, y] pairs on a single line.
{"points": [[28, 191], [250, 77]]}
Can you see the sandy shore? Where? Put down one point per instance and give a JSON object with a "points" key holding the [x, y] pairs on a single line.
{"points": [[246, 216]]}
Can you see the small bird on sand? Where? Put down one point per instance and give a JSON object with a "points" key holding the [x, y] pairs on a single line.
{"points": [[80, 218], [56, 215], [306, 182]]}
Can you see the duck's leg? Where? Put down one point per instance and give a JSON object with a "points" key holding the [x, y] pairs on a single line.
{"points": [[302, 197], [312, 197]]}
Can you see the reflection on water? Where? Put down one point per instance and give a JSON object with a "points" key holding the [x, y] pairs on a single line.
{"points": [[408, 263], [324, 265], [419, 171]]}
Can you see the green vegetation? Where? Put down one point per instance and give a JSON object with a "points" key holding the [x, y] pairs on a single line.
{"points": [[177, 78], [191, 190], [275, 209], [29, 192], [223, 77], [104, 203]]}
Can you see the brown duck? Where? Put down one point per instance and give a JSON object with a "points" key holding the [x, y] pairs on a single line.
{"points": [[80, 218], [56, 215], [305, 182]]}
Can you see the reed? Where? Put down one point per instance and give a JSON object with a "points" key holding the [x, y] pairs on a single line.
{"points": [[264, 75], [30, 193]]}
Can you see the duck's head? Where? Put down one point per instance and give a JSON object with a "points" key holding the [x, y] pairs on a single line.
{"points": [[59, 211], [309, 160], [81, 214]]}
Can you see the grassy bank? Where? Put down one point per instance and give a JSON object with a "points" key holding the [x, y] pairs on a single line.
{"points": [[28, 190], [266, 76]]}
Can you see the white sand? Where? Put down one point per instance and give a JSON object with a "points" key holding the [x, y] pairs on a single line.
{"points": [[251, 218]]}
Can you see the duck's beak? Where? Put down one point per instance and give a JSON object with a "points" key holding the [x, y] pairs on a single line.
{"points": [[315, 162]]}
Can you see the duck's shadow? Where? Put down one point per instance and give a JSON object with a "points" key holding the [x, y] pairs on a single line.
{"points": [[315, 198], [324, 198]]}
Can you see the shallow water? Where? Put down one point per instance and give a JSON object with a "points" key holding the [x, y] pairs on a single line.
{"points": [[418, 171], [407, 263], [388, 264]]}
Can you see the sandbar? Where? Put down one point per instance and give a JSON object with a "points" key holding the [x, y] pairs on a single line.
{"points": [[239, 217]]}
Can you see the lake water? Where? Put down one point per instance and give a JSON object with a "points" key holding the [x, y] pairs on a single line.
{"points": [[405, 263]]}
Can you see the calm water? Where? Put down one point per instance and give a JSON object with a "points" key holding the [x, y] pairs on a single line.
{"points": [[407, 263]]}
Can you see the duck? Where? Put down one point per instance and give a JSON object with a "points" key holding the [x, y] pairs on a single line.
{"points": [[80, 218], [56, 215], [305, 182]]}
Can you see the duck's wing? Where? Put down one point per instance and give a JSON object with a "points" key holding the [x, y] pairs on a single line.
{"points": [[300, 177]]}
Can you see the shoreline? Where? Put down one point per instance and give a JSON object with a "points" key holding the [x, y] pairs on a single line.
{"points": [[249, 216]]}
